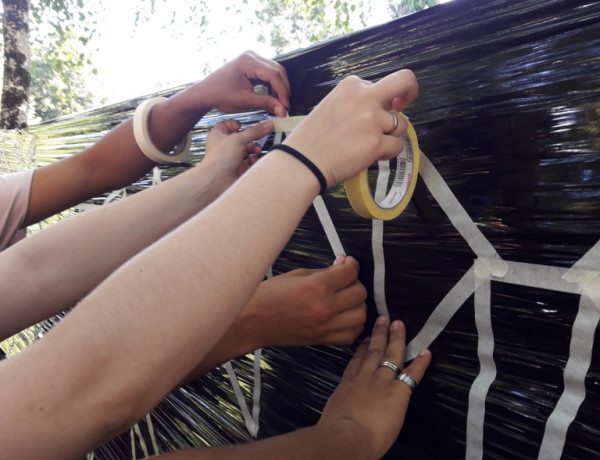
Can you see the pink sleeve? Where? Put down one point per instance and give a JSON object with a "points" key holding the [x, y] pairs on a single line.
{"points": [[14, 199]]}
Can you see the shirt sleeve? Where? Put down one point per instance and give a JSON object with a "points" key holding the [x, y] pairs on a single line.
{"points": [[14, 200]]}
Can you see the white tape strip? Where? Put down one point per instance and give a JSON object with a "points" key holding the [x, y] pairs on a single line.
{"points": [[328, 227], [152, 434], [487, 367], [442, 314], [580, 358], [377, 243], [251, 424], [590, 261], [460, 219]]}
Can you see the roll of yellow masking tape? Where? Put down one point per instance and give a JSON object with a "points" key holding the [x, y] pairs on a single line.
{"points": [[405, 178], [358, 190]]}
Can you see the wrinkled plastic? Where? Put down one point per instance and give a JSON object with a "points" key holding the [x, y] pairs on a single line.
{"points": [[509, 113]]}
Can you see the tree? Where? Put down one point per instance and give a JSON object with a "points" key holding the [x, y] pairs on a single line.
{"points": [[404, 7], [44, 54], [295, 23], [17, 75]]}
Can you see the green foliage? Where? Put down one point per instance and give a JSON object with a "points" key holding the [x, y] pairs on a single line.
{"points": [[404, 7], [60, 60], [57, 79], [292, 23]]}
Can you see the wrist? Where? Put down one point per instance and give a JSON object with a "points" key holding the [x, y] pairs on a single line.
{"points": [[348, 438]]}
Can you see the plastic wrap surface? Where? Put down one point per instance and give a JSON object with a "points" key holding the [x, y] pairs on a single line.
{"points": [[509, 114]]}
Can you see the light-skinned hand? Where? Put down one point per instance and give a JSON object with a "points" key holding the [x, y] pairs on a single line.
{"points": [[231, 151], [344, 134]]}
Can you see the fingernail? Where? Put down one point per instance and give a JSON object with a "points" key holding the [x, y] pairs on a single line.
{"points": [[396, 325], [267, 125], [381, 320], [339, 259], [424, 352]]}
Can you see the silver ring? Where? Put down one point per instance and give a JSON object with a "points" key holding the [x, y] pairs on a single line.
{"points": [[396, 121], [391, 365], [405, 378]]}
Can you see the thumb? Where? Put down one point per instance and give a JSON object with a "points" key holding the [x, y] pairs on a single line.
{"points": [[268, 103], [254, 132]]}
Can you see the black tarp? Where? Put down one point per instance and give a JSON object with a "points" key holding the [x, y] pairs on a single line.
{"points": [[509, 113]]}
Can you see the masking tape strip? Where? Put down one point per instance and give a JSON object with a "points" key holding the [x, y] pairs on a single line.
{"points": [[441, 315], [152, 434], [286, 124], [328, 227], [251, 425], [519, 273], [578, 364], [138, 432], [401, 191], [377, 243], [487, 367], [538, 276], [252, 421], [460, 219], [590, 261], [257, 389]]}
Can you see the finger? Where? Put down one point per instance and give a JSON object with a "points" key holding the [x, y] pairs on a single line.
{"points": [[343, 275], [356, 362], [393, 124], [340, 259], [416, 370], [274, 74], [227, 126], [349, 297], [394, 352], [351, 318], [398, 89], [345, 336], [279, 68], [391, 146], [252, 133], [378, 345]]}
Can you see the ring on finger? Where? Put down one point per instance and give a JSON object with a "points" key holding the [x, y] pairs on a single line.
{"points": [[407, 379], [396, 121], [390, 365]]}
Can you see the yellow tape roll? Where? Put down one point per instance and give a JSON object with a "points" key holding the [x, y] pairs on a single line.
{"points": [[407, 168]]}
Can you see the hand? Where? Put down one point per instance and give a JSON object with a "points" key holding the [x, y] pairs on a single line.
{"points": [[232, 151], [231, 88], [344, 134], [307, 307], [369, 401]]}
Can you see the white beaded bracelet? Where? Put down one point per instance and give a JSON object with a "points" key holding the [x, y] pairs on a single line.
{"points": [[142, 136]]}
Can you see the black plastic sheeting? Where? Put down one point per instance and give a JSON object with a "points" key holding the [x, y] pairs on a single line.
{"points": [[509, 113]]}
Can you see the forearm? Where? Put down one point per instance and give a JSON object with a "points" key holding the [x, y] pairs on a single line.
{"points": [[115, 161], [314, 443], [37, 280], [119, 328]]}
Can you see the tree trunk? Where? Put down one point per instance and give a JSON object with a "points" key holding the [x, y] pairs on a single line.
{"points": [[17, 72]]}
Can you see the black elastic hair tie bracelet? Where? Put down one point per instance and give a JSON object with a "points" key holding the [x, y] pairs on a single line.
{"points": [[309, 164]]}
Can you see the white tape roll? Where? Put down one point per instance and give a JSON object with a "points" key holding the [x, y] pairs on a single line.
{"points": [[142, 136], [407, 168]]}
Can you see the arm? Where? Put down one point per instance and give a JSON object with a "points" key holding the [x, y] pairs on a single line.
{"points": [[302, 307], [115, 161], [361, 419], [109, 373], [99, 241]]}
